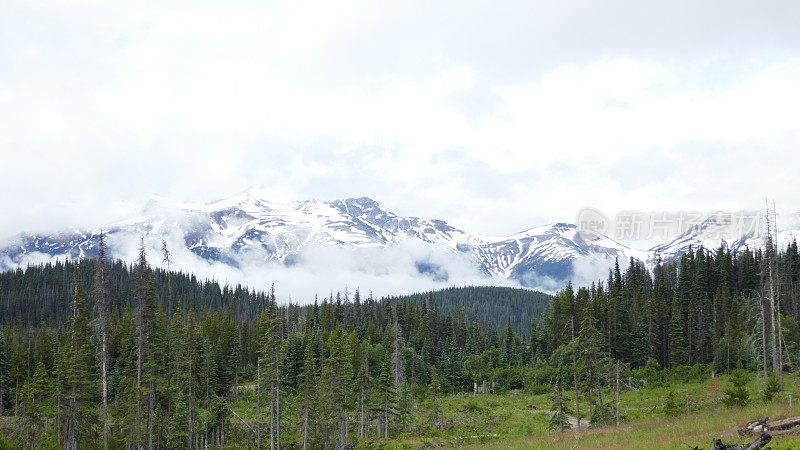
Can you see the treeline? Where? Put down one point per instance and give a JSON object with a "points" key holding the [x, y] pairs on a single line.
{"points": [[40, 295], [144, 358], [709, 311], [708, 307], [491, 307]]}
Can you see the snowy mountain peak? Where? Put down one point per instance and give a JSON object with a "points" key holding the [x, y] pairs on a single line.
{"points": [[253, 228]]}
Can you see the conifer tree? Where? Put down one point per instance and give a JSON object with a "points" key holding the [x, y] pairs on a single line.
{"points": [[593, 365], [77, 382], [361, 382], [736, 393], [433, 398], [385, 398], [38, 407], [621, 330], [177, 436], [5, 379], [405, 406], [125, 387], [269, 376], [190, 363], [677, 346], [101, 305], [559, 410], [308, 393]]}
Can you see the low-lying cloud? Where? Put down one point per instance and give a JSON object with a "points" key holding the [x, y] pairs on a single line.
{"points": [[408, 267]]}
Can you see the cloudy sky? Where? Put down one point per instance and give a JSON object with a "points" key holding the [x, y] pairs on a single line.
{"points": [[496, 116]]}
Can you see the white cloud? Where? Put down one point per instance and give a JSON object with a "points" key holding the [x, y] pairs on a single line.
{"points": [[319, 271], [425, 107]]}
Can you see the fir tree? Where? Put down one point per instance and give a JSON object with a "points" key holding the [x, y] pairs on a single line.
{"points": [[671, 406], [177, 436], [77, 382], [308, 393], [433, 397], [101, 306], [38, 408], [5, 379], [736, 393], [677, 346], [385, 398], [559, 410]]}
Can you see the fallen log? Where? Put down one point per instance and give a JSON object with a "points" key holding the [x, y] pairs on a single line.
{"points": [[777, 427], [758, 444], [784, 424], [754, 427]]}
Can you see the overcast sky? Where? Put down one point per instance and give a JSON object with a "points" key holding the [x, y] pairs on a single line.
{"points": [[495, 116]]}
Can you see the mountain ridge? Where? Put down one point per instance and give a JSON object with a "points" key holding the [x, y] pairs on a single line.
{"points": [[250, 228]]}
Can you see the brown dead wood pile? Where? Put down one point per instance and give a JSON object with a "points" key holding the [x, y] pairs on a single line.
{"points": [[775, 428]]}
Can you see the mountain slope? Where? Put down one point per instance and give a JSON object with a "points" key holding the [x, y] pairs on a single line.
{"points": [[250, 229]]}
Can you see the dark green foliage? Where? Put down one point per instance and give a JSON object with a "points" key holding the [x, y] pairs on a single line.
{"points": [[38, 407], [771, 389], [686, 374], [559, 410], [602, 414], [651, 374], [348, 369], [672, 407], [77, 380], [434, 400], [491, 307], [5, 379], [177, 435], [473, 407], [677, 345], [736, 393]]}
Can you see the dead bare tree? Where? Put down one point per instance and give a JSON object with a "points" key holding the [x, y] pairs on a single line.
{"points": [[769, 271], [101, 309]]}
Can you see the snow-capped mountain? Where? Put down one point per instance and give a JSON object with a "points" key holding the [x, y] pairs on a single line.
{"points": [[732, 232], [250, 228]]}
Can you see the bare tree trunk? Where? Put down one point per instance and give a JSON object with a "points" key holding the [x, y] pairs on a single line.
{"points": [[617, 395], [258, 403], [575, 376], [104, 381], [150, 416], [774, 306], [191, 402], [277, 416], [138, 388], [305, 427]]}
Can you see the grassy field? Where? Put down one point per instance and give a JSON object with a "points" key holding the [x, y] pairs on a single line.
{"points": [[516, 420], [696, 428]]}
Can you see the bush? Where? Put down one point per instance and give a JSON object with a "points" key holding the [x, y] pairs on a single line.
{"points": [[472, 407], [602, 414], [686, 374], [651, 374], [540, 373], [511, 378], [736, 393], [771, 389], [671, 406], [537, 389]]}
